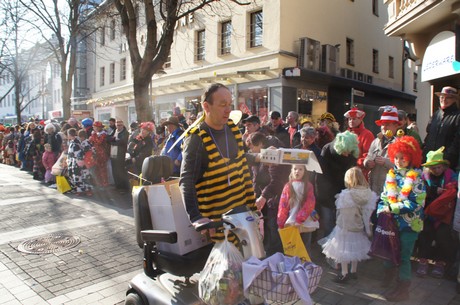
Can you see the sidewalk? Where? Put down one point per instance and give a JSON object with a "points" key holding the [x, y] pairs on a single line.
{"points": [[95, 271], [367, 290], [99, 268]]}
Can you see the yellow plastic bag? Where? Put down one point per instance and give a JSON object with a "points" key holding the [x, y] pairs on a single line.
{"points": [[62, 184], [293, 244]]}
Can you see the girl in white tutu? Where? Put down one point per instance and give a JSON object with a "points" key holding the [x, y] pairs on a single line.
{"points": [[349, 242]]}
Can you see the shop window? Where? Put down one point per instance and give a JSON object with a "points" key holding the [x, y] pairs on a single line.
{"points": [[255, 102]]}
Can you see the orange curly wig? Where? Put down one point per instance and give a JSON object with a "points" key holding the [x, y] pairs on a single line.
{"points": [[410, 149]]}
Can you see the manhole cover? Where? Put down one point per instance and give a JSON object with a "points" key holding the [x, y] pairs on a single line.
{"points": [[49, 244]]}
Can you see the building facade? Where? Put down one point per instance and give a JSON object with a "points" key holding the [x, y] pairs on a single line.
{"points": [[39, 77], [273, 55], [431, 30]]}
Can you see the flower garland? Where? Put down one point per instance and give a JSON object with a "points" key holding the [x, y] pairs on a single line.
{"points": [[391, 186]]}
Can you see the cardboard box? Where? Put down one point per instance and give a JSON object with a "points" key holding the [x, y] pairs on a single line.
{"points": [[168, 212], [291, 156]]}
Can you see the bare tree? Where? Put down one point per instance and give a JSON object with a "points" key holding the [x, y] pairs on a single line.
{"points": [[67, 24], [164, 13], [15, 61]]}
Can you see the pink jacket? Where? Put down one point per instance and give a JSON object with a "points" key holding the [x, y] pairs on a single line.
{"points": [[48, 159], [303, 213]]}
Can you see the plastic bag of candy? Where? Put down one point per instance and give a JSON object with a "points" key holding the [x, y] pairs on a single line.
{"points": [[221, 281]]}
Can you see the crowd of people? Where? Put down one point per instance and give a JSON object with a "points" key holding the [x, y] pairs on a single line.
{"points": [[88, 153], [364, 176]]}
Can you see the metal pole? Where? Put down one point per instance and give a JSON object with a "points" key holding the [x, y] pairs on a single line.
{"points": [[351, 100]]}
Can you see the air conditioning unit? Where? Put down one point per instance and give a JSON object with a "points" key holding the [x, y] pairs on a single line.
{"points": [[310, 53], [347, 73], [330, 59]]}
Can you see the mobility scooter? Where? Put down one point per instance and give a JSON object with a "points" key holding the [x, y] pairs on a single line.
{"points": [[170, 276]]}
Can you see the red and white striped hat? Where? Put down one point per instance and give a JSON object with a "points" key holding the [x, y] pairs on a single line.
{"points": [[389, 115], [355, 113]]}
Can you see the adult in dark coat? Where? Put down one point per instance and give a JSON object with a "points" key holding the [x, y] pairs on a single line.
{"points": [[268, 181], [307, 141], [444, 127], [336, 158], [53, 138], [278, 129], [142, 146], [118, 146]]}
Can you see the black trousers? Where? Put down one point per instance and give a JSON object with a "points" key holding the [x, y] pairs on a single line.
{"points": [[120, 174], [444, 248], [272, 240]]}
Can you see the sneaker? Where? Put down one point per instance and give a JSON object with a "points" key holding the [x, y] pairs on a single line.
{"points": [[353, 275], [438, 270], [53, 186], [422, 268], [341, 278]]}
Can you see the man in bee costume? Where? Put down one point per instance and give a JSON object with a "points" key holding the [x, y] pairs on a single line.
{"points": [[215, 176]]}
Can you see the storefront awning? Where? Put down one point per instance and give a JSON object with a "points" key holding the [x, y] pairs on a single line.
{"points": [[327, 80]]}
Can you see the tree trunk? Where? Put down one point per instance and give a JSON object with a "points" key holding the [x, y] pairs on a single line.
{"points": [[142, 101]]}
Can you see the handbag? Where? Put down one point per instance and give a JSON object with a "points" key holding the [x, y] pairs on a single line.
{"points": [[62, 185], [293, 244], [385, 243], [442, 208], [60, 166], [309, 225]]}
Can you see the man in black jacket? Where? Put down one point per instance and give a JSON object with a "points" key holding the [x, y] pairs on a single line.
{"points": [[118, 146], [444, 127]]}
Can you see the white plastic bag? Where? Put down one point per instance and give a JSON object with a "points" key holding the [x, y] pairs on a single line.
{"points": [[221, 281]]}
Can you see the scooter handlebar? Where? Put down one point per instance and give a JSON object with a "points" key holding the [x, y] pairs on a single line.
{"points": [[210, 225]]}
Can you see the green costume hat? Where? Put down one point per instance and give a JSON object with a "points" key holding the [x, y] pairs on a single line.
{"points": [[435, 157]]}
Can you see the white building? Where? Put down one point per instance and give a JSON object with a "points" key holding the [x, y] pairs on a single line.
{"points": [[40, 94], [306, 56]]}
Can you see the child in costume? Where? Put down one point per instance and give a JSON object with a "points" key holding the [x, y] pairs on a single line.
{"points": [[76, 166], [349, 242], [297, 203], [48, 160], [441, 188], [9, 152], [404, 197]]}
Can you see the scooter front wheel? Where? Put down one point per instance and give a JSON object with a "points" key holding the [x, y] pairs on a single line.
{"points": [[133, 299]]}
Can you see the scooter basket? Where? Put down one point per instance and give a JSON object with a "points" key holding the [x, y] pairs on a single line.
{"points": [[276, 286]]}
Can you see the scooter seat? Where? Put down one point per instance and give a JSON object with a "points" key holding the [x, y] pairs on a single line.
{"points": [[181, 265]]}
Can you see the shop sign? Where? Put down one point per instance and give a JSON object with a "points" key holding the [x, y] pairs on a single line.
{"points": [[439, 59]]}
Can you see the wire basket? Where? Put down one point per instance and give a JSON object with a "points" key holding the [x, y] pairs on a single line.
{"points": [[276, 286]]}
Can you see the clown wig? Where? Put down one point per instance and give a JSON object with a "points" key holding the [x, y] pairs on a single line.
{"points": [[347, 142], [410, 149], [149, 126]]}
